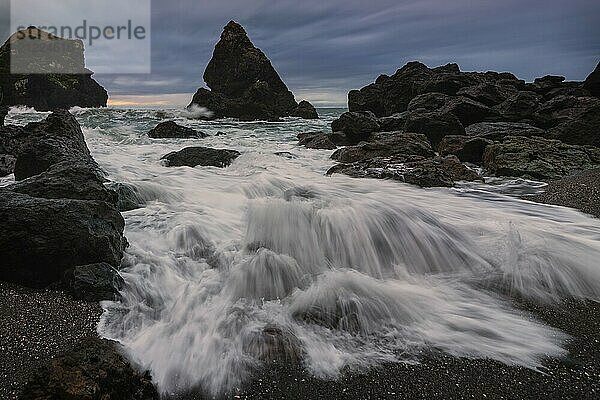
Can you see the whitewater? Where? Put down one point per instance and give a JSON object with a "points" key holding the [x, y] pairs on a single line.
{"points": [[269, 260]]}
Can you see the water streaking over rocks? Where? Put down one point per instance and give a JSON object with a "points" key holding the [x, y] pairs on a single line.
{"points": [[268, 259]]}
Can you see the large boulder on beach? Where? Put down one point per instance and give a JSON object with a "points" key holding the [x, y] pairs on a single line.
{"points": [[518, 107], [58, 79], [433, 124], [41, 238], [356, 126], [202, 156], [93, 369], [39, 145], [93, 282], [305, 110], [172, 130], [467, 149], [467, 111], [539, 158], [316, 140], [243, 82], [497, 131], [592, 82], [386, 145]]}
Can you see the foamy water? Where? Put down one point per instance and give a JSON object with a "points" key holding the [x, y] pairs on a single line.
{"points": [[269, 258]]}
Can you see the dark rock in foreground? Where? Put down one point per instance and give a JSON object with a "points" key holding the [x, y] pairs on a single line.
{"points": [[497, 131], [467, 149], [128, 196], [539, 158], [570, 119], [305, 110], [170, 130], [58, 79], [7, 164], [592, 83], [93, 282], [386, 145], [203, 156], [317, 140], [243, 82], [41, 238], [93, 370], [580, 191], [356, 126]]}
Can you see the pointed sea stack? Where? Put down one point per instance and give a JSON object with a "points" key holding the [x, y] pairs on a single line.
{"points": [[243, 82], [592, 83], [50, 73]]}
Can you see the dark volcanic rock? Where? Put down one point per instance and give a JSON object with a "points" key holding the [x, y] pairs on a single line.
{"points": [[7, 164], [468, 111], [433, 124], [41, 238], [356, 126], [170, 129], [316, 140], [128, 196], [435, 172], [204, 156], [3, 114], [580, 191], [305, 110], [67, 180], [64, 83], [386, 145], [490, 94], [393, 122], [243, 82], [467, 149], [40, 145], [592, 82], [94, 369], [518, 107], [94, 282], [497, 131], [539, 158]]}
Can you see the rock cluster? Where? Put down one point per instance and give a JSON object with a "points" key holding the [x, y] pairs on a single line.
{"points": [[543, 130], [50, 78], [243, 83], [58, 215]]}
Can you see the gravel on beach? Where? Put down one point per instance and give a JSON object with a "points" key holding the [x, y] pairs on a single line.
{"points": [[36, 325]]}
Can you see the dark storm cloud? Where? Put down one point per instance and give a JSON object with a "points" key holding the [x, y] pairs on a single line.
{"points": [[324, 48]]}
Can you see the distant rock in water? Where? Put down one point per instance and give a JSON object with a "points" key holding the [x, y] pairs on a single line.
{"points": [[170, 130], [592, 83], [49, 73], [305, 110], [244, 83], [203, 156]]}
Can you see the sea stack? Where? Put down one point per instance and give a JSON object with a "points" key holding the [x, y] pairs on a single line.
{"points": [[243, 83], [47, 73]]}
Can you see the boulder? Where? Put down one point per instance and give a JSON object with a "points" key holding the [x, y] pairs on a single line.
{"points": [[58, 79], [67, 180], [488, 93], [539, 158], [7, 164], [41, 238], [39, 145], [433, 172], [203, 156], [497, 131], [3, 114], [128, 196], [573, 120], [94, 369], [393, 122], [467, 149], [580, 191], [386, 145], [170, 130], [94, 282], [592, 82], [305, 110], [519, 107], [468, 111], [434, 124], [356, 126], [243, 82], [317, 140]]}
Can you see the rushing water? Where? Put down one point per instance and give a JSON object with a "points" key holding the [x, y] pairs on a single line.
{"points": [[268, 257]]}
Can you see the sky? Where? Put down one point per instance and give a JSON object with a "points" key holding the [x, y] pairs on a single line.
{"points": [[322, 49]]}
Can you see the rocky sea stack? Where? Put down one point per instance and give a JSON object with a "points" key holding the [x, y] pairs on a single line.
{"points": [[244, 84], [49, 73]]}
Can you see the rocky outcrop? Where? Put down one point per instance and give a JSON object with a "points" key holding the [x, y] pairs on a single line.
{"points": [[467, 111], [305, 110], [433, 124], [243, 82], [316, 140], [467, 149], [580, 191], [356, 126], [172, 130], [7, 164], [128, 196], [592, 83], [51, 73], [203, 156], [497, 131], [539, 158], [3, 114], [94, 369], [386, 145], [94, 282]]}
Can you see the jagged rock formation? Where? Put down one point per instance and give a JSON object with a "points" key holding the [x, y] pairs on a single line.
{"points": [[203, 156], [49, 73], [592, 83], [243, 82], [543, 130]]}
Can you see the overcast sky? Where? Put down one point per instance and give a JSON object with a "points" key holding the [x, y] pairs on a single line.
{"points": [[324, 48]]}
